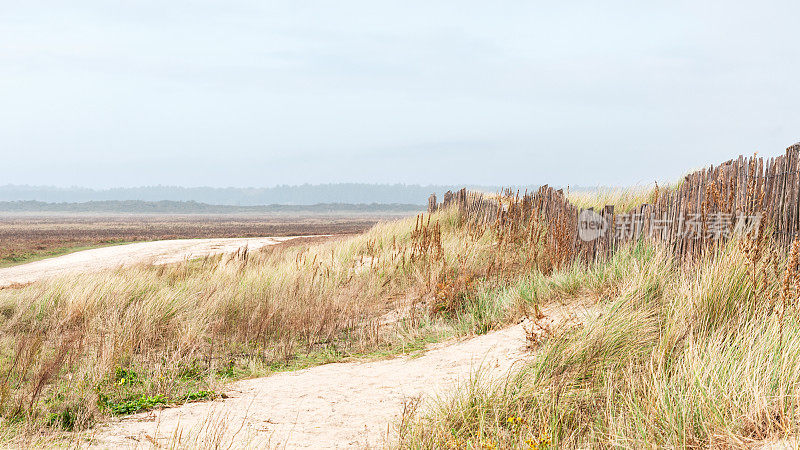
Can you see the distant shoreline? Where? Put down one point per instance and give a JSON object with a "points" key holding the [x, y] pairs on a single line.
{"points": [[190, 207]]}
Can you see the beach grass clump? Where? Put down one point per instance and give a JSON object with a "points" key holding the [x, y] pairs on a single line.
{"points": [[679, 356]]}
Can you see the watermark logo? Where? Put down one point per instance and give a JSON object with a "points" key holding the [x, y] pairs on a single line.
{"points": [[590, 225]]}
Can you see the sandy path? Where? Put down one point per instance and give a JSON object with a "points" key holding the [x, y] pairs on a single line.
{"points": [[156, 252], [343, 405]]}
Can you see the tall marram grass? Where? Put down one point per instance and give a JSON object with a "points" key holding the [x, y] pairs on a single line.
{"points": [[681, 356], [81, 347]]}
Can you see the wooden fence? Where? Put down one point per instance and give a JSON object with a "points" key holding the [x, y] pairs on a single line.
{"points": [[705, 209]]}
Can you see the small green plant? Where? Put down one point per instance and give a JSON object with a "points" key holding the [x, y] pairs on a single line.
{"points": [[199, 395], [125, 377], [134, 405]]}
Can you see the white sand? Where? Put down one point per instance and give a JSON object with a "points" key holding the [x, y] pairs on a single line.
{"points": [[156, 252]]}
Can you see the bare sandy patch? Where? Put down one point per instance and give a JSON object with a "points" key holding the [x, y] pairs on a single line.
{"points": [[342, 405]]}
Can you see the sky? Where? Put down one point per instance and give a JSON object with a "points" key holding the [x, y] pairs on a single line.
{"points": [[106, 93]]}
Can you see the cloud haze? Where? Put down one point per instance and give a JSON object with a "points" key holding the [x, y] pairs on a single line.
{"points": [[247, 93]]}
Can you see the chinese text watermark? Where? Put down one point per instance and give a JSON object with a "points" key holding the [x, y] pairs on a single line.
{"points": [[592, 225]]}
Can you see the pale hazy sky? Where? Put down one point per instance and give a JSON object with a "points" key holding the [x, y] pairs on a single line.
{"points": [[256, 93]]}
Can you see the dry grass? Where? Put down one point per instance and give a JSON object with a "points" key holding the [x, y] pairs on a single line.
{"points": [[79, 348], [624, 200], [684, 356]]}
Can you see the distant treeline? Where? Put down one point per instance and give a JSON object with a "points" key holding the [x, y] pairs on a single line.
{"points": [[191, 207], [306, 194]]}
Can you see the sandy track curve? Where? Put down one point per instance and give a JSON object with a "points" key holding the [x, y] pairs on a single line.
{"points": [[156, 252], [342, 405]]}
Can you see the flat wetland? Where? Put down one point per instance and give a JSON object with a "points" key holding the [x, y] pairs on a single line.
{"points": [[26, 237]]}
